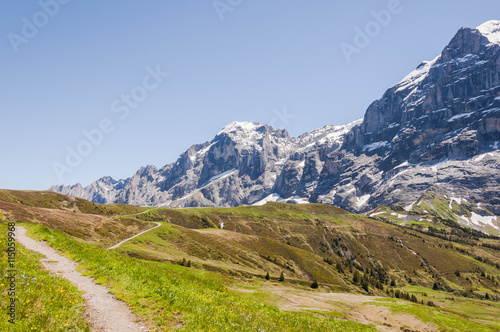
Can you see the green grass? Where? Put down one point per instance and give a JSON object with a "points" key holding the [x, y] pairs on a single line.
{"points": [[44, 302], [169, 295], [282, 228], [453, 313], [445, 320]]}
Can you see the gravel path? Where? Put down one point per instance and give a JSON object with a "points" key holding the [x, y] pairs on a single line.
{"points": [[104, 311], [130, 238]]}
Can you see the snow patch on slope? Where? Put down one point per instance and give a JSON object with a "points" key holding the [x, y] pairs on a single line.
{"points": [[271, 198], [237, 126], [460, 116], [327, 134], [339, 132], [298, 200], [418, 75], [479, 220], [246, 134], [221, 175], [491, 30], [376, 145], [360, 201], [458, 200]]}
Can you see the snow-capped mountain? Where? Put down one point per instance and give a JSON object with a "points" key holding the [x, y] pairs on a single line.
{"points": [[241, 165], [437, 129]]}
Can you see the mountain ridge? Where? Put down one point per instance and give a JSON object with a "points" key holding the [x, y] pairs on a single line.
{"points": [[427, 132]]}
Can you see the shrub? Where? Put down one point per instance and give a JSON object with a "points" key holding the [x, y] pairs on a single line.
{"points": [[315, 284]]}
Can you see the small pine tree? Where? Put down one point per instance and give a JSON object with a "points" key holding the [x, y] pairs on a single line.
{"points": [[366, 286], [487, 296], [435, 286], [282, 277], [314, 284], [183, 263], [188, 263], [356, 277], [393, 283], [267, 276]]}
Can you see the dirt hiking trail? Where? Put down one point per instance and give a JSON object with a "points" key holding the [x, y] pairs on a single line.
{"points": [[104, 311]]}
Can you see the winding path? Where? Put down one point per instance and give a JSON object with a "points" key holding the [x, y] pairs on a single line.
{"points": [[104, 311], [130, 238]]}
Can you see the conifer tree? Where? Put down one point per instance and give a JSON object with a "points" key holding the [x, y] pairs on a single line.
{"points": [[356, 277]]}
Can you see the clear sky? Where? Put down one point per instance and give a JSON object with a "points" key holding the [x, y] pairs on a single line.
{"points": [[100, 66]]}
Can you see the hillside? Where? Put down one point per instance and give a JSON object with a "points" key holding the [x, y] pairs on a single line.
{"points": [[456, 269], [76, 217]]}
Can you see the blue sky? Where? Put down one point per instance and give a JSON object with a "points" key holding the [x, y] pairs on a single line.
{"points": [[68, 66]]}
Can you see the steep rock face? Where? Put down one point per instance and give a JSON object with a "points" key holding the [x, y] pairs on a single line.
{"points": [[437, 128], [446, 108]]}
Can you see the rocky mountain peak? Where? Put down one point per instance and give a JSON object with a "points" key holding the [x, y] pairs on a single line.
{"points": [[148, 170], [108, 180], [250, 133], [240, 126]]}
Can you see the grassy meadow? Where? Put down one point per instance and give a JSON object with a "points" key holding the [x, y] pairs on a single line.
{"points": [[170, 296], [204, 269]]}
